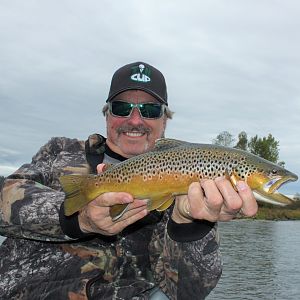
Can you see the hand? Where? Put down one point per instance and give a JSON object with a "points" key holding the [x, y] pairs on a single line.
{"points": [[214, 200], [95, 217]]}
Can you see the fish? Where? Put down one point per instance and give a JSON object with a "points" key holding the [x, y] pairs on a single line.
{"points": [[167, 171]]}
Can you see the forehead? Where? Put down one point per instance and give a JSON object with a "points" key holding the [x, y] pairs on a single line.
{"points": [[136, 96]]}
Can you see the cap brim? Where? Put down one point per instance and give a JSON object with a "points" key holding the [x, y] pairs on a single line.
{"points": [[138, 88]]}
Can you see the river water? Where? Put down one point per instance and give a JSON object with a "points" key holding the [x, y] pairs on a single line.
{"points": [[261, 261]]}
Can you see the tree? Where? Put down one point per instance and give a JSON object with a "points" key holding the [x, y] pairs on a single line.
{"points": [[224, 139], [266, 147], [242, 141]]}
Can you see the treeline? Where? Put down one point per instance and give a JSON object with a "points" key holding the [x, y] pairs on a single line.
{"points": [[270, 212], [266, 147]]}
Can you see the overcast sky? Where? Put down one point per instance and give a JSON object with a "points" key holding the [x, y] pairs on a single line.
{"points": [[230, 65]]}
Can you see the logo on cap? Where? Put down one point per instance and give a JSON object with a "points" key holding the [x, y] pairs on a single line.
{"points": [[140, 73]]}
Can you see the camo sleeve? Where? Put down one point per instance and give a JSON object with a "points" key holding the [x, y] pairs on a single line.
{"points": [[187, 269], [31, 197]]}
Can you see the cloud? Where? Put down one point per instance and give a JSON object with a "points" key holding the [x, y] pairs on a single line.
{"points": [[230, 65]]}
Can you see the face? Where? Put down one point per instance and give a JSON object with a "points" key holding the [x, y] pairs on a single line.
{"points": [[130, 136]]}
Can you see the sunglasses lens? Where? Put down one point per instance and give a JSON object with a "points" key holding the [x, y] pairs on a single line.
{"points": [[151, 110], [147, 110], [120, 108]]}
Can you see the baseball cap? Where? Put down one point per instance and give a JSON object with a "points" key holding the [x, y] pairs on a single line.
{"points": [[139, 76]]}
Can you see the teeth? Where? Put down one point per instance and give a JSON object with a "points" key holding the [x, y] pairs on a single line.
{"points": [[134, 134]]}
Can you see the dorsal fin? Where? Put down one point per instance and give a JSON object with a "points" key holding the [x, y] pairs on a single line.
{"points": [[164, 144]]}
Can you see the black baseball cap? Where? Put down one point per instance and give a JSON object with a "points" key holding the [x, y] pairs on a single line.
{"points": [[139, 76]]}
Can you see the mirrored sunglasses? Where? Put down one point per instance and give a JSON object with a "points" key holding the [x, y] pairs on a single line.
{"points": [[119, 108]]}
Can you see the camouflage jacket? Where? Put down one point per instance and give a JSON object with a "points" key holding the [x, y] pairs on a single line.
{"points": [[47, 257]]}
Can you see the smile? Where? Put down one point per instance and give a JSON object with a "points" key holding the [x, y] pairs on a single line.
{"points": [[134, 134]]}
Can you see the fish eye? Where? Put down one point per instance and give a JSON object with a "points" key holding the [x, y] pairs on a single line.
{"points": [[274, 172]]}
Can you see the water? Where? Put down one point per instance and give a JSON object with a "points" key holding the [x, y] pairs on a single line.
{"points": [[261, 260]]}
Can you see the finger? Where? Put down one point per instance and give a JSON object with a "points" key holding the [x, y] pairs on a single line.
{"points": [[182, 210], [138, 203], [98, 220], [249, 206], [112, 198], [121, 212], [100, 168], [205, 200], [195, 199], [118, 226], [232, 200], [214, 198], [134, 213]]}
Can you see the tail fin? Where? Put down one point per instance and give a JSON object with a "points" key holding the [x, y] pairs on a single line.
{"points": [[73, 186]]}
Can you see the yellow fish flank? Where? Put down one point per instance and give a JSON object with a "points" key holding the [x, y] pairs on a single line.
{"points": [[169, 169]]}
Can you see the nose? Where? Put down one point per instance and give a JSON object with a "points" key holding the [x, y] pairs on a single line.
{"points": [[135, 117]]}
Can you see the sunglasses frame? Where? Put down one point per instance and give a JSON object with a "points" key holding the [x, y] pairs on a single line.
{"points": [[138, 106]]}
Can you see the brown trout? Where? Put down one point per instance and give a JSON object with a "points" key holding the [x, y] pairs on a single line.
{"points": [[169, 169]]}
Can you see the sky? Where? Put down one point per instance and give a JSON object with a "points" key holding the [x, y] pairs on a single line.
{"points": [[230, 65]]}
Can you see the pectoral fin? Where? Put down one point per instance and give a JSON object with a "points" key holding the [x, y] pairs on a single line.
{"points": [[165, 205], [157, 202], [117, 211], [160, 204]]}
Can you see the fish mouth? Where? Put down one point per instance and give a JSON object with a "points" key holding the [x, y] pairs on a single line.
{"points": [[275, 183], [269, 193]]}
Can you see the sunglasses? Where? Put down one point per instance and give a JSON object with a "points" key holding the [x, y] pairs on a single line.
{"points": [[150, 110]]}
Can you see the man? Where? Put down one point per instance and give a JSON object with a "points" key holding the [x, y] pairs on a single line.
{"points": [[143, 255]]}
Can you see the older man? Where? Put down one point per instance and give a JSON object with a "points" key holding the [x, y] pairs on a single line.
{"points": [[142, 255]]}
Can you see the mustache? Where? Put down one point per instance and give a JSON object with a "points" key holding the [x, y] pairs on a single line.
{"points": [[139, 128]]}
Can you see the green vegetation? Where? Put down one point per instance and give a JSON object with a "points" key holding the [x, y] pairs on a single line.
{"points": [[267, 148], [225, 139], [271, 212]]}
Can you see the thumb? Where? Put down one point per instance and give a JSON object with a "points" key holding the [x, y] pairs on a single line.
{"points": [[100, 168]]}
